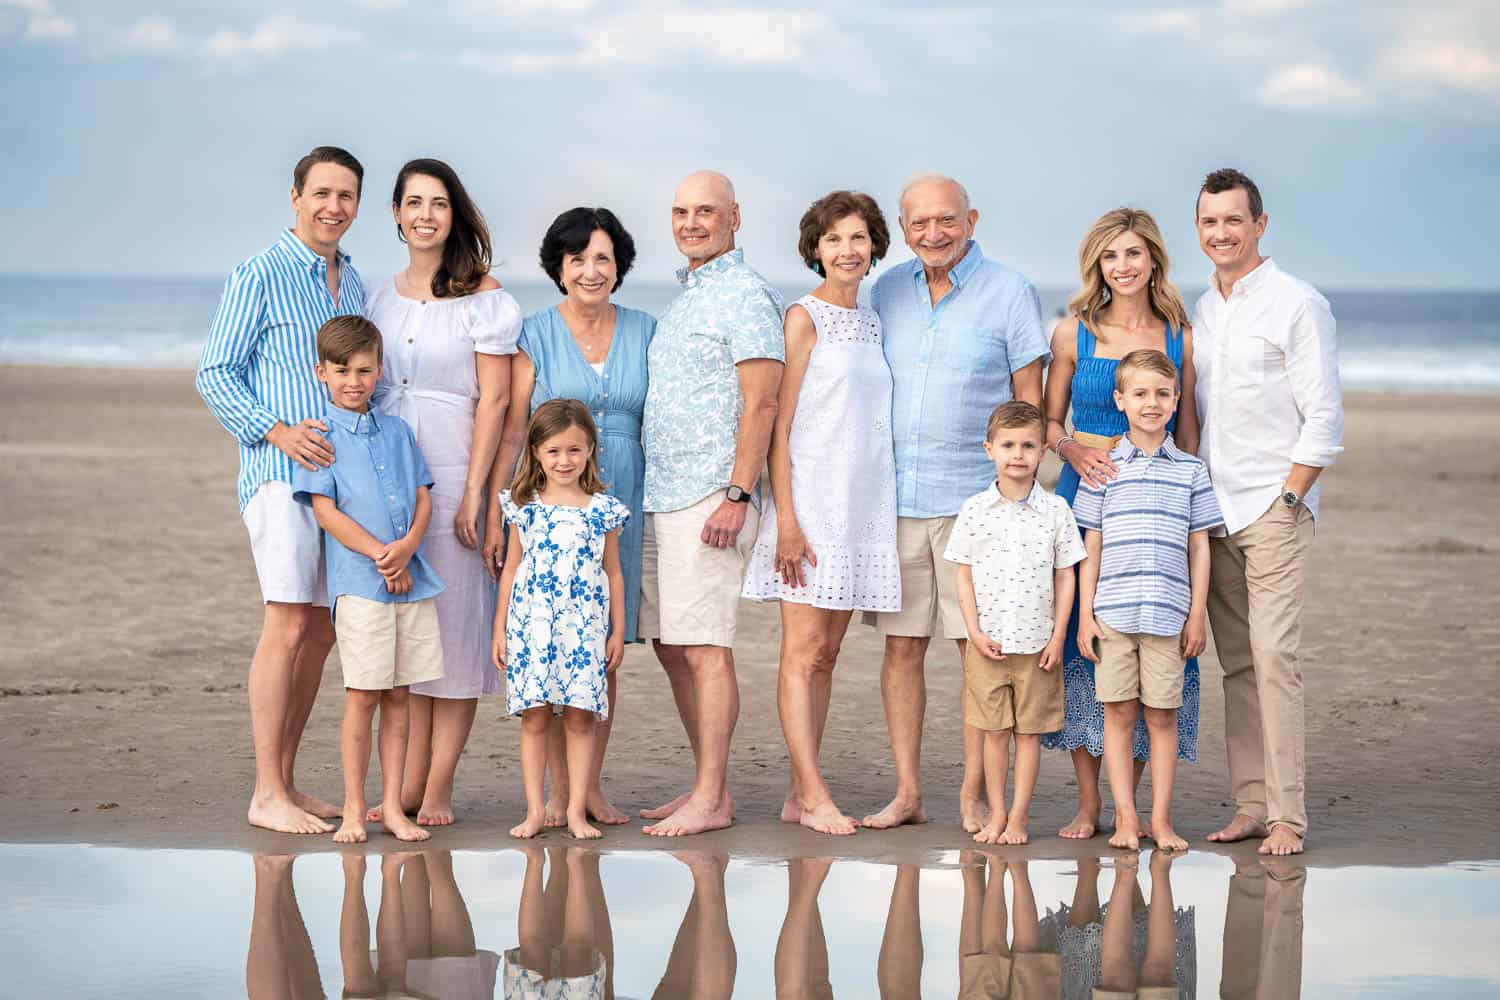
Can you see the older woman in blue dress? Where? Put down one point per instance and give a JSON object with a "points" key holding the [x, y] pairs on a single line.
{"points": [[586, 348], [449, 331]]}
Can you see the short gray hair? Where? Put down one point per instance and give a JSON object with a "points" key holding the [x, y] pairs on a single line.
{"points": [[931, 178]]}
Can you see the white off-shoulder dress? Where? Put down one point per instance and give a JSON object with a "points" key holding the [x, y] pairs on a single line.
{"points": [[429, 380], [843, 473]]}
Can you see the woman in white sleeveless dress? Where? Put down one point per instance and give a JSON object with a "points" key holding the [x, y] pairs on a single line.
{"points": [[449, 332], [827, 541]]}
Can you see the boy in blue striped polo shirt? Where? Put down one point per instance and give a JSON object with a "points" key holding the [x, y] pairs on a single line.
{"points": [[1143, 592]]}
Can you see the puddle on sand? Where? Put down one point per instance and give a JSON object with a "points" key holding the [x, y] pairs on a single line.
{"points": [[568, 922]]}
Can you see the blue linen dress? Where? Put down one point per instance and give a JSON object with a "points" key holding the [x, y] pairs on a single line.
{"points": [[617, 399], [558, 615], [1094, 412]]}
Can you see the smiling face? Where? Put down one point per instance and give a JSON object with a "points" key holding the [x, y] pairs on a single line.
{"points": [[1227, 232], [936, 226], [326, 206], [589, 275], [351, 382], [845, 250], [1148, 399], [1016, 452], [424, 213], [704, 217], [564, 456], [1126, 265]]}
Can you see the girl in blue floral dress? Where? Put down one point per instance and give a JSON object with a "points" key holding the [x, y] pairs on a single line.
{"points": [[560, 619]]}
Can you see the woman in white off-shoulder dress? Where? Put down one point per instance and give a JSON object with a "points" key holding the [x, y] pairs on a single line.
{"points": [[827, 541], [449, 332]]}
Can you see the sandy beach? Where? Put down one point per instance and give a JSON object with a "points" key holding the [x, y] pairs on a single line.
{"points": [[130, 609]]}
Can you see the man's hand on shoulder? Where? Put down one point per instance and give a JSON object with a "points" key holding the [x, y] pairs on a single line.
{"points": [[303, 443]]}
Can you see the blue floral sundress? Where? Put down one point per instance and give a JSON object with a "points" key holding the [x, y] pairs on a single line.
{"points": [[558, 617], [1094, 412]]}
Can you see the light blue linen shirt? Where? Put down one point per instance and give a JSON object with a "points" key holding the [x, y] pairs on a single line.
{"points": [[374, 482], [952, 364], [726, 314]]}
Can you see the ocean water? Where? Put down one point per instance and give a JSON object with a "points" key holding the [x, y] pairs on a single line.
{"points": [[1405, 341]]}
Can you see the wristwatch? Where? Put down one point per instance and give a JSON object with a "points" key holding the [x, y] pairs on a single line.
{"points": [[736, 495], [1291, 499]]}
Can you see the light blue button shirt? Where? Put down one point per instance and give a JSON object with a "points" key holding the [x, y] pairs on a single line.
{"points": [[952, 364], [374, 481]]}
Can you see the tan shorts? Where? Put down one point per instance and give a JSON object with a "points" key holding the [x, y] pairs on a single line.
{"points": [[1027, 975], [1013, 693], [929, 583], [1148, 667], [690, 592], [1140, 993], [384, 646]]}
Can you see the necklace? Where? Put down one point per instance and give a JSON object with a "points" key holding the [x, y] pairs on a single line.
{"points": [[595, 351]]}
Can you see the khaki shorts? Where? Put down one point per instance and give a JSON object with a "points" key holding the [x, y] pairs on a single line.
{"points": [[929, 583], [1140, 993], [384, 646], [1148, 667], [1013, 693], [690, 592], [1027, 975]]}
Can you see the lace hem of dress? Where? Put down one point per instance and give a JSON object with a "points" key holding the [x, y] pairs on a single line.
{"points": [[1084, 726], [1082, 956], [847, 578]]}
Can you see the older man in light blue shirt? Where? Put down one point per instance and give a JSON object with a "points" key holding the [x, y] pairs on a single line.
{"points": [[963, 334]]}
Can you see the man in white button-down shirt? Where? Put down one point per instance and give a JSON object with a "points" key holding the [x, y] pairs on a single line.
{"points": [[1273, 419]]}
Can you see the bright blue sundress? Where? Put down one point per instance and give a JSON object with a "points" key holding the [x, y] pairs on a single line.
{"points": [[1094, 412], [617, 398]]}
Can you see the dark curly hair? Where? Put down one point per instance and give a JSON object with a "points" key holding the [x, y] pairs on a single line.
{"points": [[824, 213], [570, 233]]}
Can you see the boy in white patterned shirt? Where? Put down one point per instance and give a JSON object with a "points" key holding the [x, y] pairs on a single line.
{"points": [[1015, 545]]}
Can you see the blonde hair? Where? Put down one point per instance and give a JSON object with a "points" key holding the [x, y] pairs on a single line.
{"points": [[1095, 294], [551, 419], [1147, 359]]}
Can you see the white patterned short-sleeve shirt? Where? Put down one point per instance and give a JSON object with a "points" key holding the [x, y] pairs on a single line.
{"points": [[726, 314], [1013, 549]]}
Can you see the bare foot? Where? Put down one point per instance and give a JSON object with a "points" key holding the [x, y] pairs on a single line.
{"points": [[1242, 827], [992, 831], [663, 811], [353, 829], [1127, 835], [555, 813], [1281, 841], [405, 829], [283, 816], [897, 813], [791, 809], [973, 813], [1083, 826], [581, 829], [528, 828], [1015, 829], [601, 811], [436, 814], [827, 819], [1146, 833], [690, 819], [315, 806], [1167, 839], [377, 813]]}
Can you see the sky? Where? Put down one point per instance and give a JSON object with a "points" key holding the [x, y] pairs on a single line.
{"points": [[157, 137]]}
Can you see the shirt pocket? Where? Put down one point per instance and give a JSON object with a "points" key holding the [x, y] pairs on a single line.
{"points": [[980, 346]]}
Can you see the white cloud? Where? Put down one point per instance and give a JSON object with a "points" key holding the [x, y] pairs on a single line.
{"points": [[1310, 87], [276, 36], [43, 22], [153, 34], [1256, 8]]}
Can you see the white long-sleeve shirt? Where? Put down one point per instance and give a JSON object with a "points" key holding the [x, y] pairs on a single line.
{"points": [[1268, 388]]}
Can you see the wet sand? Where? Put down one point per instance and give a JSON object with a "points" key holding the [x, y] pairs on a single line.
{"points": [[130, 610]]}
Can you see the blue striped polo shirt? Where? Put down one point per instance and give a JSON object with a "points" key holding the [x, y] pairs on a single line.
{"points": [[257, 366], [1145, 515]]}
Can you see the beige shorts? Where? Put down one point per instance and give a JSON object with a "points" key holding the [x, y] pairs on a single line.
{"points": [[690, 592], [384, 646], [1013, 693], [1148, 667], [1140, 993], [1027, 975], [929, 583]]}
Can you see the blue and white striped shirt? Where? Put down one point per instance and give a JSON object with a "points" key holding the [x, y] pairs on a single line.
{"points": [[257, 366], [1145, 515]]}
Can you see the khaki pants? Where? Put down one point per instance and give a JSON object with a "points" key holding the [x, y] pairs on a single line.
{"points": [[1255, 608], [1263, 934]]}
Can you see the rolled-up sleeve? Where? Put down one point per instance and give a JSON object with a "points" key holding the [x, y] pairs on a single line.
{"points": [[757, 333], [236, 331], [1312, 362], [1025, 339]]}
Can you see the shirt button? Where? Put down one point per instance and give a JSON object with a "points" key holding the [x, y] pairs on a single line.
{"points": [[410, 340], [403, 381]]}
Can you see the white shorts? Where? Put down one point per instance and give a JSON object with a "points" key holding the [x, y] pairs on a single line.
{"points": [[287, 546], [690, 592]]}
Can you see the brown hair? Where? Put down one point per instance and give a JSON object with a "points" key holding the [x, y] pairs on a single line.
{"points": [[550, 419], [328, 154], [1228, 179], [824, 213], [1095, 294], [466, 252], [1146, 360], [1016, 413], [345, 336]]}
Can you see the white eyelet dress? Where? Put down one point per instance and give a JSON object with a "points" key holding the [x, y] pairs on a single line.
{"points": [[843, 473]]}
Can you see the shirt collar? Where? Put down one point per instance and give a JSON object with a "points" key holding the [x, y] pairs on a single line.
{"points": [[723, 262], [1250, 282], [354, 423], [960, 272], [304, 254], [1033, 499], [1126, 450]]}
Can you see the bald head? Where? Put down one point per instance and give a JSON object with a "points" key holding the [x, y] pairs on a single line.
{"points": [[937, 221], [929, 186], [705, 216]]}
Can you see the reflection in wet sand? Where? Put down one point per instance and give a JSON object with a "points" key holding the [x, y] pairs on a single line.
{"points": [[1263, 932], [566, 944]]}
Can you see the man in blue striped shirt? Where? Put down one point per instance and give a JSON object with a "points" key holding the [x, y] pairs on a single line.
{"points": [[1143, 592], [256, 375]]}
